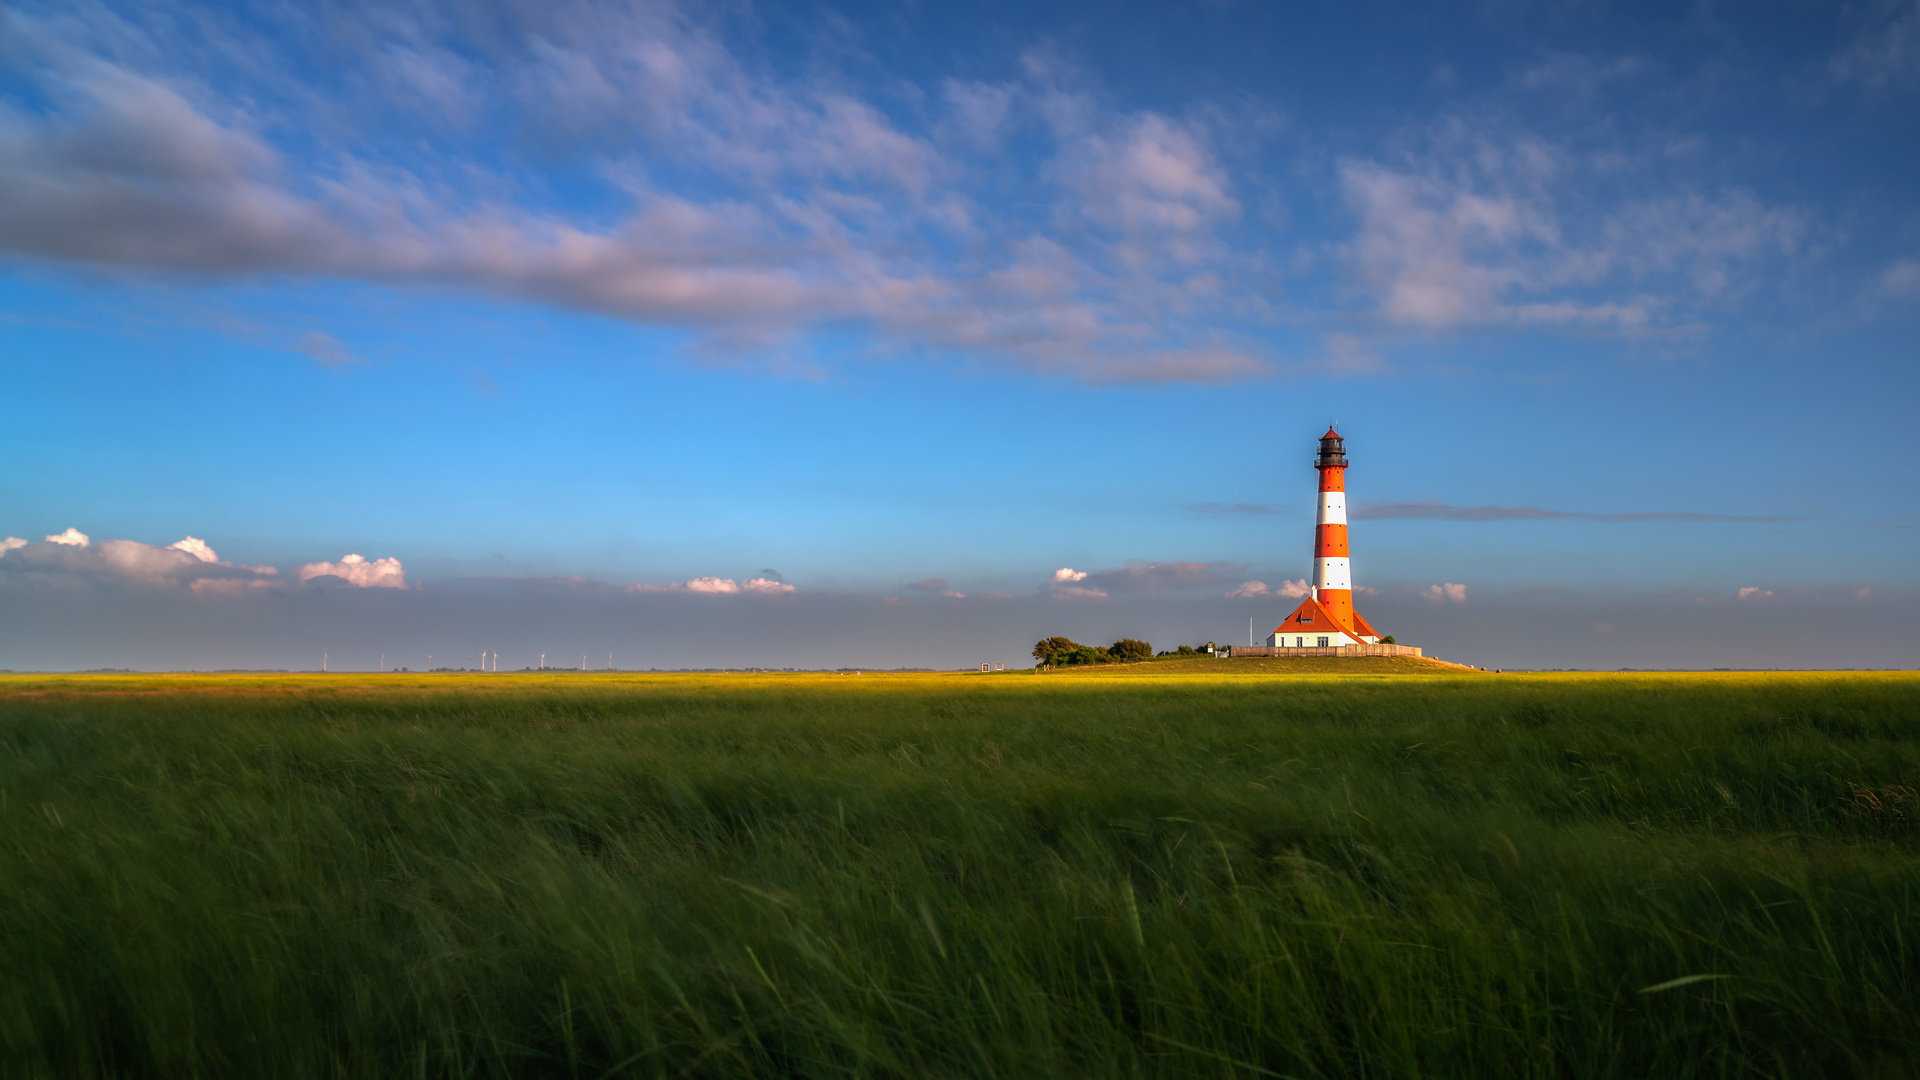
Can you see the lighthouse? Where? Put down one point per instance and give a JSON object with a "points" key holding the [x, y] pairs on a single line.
{"points": [[1326, 619], [1332, 569]]}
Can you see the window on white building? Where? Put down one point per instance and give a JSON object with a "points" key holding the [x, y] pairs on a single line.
{"points": [[1323, 643]]}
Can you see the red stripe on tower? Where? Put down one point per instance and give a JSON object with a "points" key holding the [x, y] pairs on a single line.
{"points": [[1332, 571]]}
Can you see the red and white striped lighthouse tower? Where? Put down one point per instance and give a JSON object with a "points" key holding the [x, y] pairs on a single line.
{"points": [[1332, 571], [1326, 619]]}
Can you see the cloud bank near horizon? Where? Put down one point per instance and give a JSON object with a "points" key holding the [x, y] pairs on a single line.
{"points": [[76, 601], [50, 625]]}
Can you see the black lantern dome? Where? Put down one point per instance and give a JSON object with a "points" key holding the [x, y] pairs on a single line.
{"points": [[1333, 451]]}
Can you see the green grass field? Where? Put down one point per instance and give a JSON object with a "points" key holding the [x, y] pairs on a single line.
{"points": [[1231, 869]]}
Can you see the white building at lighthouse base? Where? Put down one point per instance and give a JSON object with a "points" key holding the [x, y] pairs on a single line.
{"points": [[1312, 626]]}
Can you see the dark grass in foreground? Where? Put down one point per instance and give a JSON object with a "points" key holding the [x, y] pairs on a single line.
{"points": [[1200, 871]]}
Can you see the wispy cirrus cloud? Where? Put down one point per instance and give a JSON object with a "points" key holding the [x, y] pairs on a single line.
{"points": [[1885, 48], [754, 209], [758, 208], [326, 350], [1489, 223], [1436, 511]]}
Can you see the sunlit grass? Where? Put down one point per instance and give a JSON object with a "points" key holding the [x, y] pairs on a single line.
{"points": [[1203, 867]]}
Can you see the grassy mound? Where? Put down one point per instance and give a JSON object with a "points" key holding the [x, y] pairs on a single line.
{"points": [[1143, 871], [1286, 665]]}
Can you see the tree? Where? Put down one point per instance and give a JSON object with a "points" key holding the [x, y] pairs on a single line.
{"points": [[1050, 651], [1388, 640], [1128, 650]]}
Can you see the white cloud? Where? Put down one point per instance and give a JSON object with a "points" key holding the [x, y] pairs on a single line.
{"points": [[1061, 586], [719, 586], [356, 571], [133, 559], [195, 547], [1441, 594], [1750, 592], [72, 555]]}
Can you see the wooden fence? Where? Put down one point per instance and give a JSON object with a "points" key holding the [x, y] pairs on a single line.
{"points": [[1331, 650]]}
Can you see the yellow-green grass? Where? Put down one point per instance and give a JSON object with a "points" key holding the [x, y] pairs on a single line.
{"points": [[1234, 868]]}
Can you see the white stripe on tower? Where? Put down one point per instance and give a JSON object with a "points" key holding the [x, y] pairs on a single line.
{"points": [[1333, 508], [1332, 574]]}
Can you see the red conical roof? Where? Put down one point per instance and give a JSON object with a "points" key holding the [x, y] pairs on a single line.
{"points": [[1320, 619]]}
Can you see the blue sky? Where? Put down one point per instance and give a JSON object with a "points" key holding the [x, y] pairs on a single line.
{"points": [[839, 310]]}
